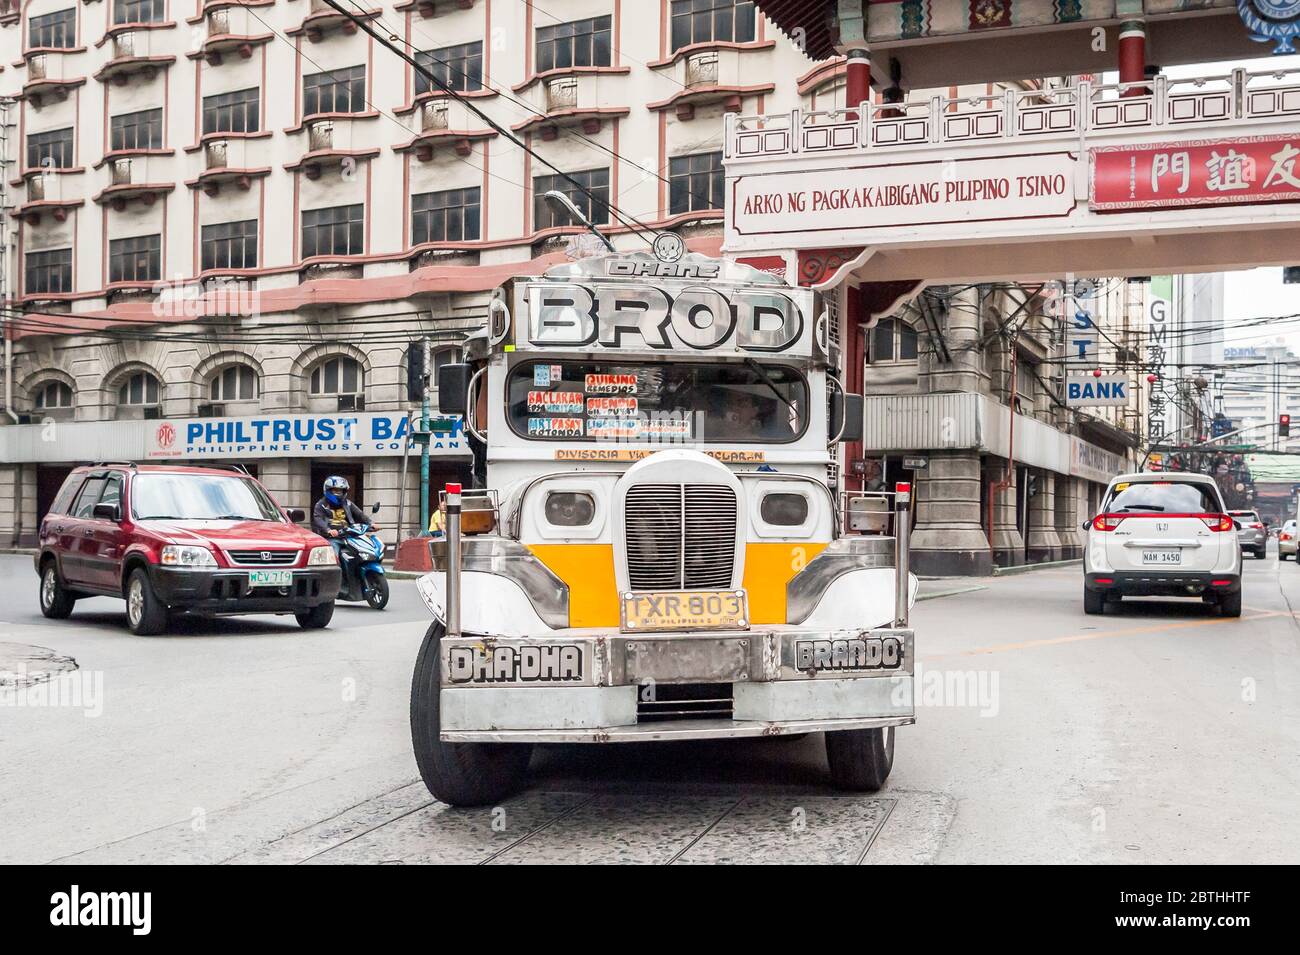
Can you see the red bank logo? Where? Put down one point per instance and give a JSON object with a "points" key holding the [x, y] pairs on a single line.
{"points": [[166, 436]]}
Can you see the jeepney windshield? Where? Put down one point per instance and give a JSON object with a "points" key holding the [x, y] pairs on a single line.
{"points": [[685, 402]]}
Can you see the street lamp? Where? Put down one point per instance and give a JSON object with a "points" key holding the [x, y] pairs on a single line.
{"points": [[561, 201]]}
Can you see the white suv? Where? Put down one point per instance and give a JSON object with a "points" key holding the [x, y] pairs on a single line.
{"points": [[1162, 535]]}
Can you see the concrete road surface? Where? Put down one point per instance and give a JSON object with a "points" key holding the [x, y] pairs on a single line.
{"points": [[1159, 734]]}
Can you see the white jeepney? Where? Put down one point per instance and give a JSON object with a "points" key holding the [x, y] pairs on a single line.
{"points": [[659, 552]]}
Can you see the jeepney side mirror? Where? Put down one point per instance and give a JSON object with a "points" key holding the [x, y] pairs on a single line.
{"points": [[846, 416], [453, 388], [374, 509]]}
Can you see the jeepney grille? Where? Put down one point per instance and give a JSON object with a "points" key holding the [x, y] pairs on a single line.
{"points": [[680, 536]]}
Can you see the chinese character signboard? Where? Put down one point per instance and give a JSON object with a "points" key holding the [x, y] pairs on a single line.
{"points": [[1159, 311], [1199, 173]]}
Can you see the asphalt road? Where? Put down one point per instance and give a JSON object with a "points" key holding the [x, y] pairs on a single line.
{"points": [[1159, 734]]}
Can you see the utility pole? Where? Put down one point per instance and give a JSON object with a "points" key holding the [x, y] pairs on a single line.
{"points": [[424, 448]]}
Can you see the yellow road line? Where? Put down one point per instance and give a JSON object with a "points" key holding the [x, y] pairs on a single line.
{"points": [[1102, 634]]}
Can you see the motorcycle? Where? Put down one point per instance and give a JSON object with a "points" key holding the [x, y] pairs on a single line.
{"points": [[361, 555]]}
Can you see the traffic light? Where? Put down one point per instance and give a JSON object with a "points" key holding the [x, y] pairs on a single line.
{"points": [[415, 375], [1284, 426]]}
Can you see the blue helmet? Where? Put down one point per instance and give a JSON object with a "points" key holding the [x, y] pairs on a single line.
{"points": [[336, 489]]}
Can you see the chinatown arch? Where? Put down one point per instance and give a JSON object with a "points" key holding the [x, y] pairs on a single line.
{"points": [[1026, 181]]}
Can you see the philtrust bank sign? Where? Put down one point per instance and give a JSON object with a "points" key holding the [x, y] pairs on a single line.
{"points": [[346, 434], [893, 195]]}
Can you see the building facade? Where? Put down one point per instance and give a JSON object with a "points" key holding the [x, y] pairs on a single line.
{"points": [[231, 212]]}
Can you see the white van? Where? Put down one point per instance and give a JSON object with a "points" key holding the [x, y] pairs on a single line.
{"points": [[1162, 535]]}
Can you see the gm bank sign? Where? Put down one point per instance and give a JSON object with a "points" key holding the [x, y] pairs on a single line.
{"points": [[347, 434]]}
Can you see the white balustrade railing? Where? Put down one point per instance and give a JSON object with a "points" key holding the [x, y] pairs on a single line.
{"points": [[1225, 100]]}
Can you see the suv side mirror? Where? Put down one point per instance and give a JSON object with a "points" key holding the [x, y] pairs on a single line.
{"points": [[1237, 524], [1087, 524], [374, 508], [846, 413], [296, 514], [453, 388], [107, 512]]}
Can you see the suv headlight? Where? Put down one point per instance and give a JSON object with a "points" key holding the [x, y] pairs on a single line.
{"points": [[321, 555], [176, 555]]}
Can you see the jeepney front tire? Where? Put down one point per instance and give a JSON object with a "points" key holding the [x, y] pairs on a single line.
{"points": [[860, 760], [460, 774]]}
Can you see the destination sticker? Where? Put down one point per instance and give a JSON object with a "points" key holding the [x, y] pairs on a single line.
{"points": [[640, 454], [612, 406], [554, 427], [556, 402], [666, 428], [613, 428], [541, 376], [611, 384]]}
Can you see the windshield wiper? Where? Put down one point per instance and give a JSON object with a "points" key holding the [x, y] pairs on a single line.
{"points": [[1142, 507], [236, 517], [160, 517], [762, 373]]}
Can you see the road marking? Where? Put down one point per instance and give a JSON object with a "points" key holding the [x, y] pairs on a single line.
{"points": [[1102, 634]]}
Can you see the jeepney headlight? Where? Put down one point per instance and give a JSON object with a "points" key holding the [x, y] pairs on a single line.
{"points": [[179, 555], [321, 555], [570, 508], [784, 509]]}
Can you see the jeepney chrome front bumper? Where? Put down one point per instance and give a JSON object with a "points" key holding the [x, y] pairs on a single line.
{"points": [[585, 686]]}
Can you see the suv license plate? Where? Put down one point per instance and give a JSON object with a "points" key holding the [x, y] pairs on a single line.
{"points": [[270, 578], [1165, 556], [685, 610]]}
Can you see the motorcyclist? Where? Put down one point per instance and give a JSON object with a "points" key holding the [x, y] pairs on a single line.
{"points": [[334, 511]]}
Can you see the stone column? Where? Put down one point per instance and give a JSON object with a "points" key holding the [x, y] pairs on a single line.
{"points": [[948, 539], [962, 331], [1008, 545], [1068, 517], [1044, 543], [9, 497]]}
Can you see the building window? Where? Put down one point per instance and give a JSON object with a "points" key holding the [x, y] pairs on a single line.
{"points": [[142, 130], [893, 340], [52, 395], [695, 182], [235, 112], [592, 200], [230, 245], [457, 67], [581, 43], [48, 272], [52, 150], [338, 376], [336, 91], [139, 11], [336, 231], [450, 216], [712, 21], [140, 389], [138, 259], [56, 31], [233, 383]]}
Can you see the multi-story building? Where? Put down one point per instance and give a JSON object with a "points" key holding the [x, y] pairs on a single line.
{"points": [[230, 212], [1259, 384]]}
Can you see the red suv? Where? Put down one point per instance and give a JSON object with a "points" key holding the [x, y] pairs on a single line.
{"points": [[208, 541]]}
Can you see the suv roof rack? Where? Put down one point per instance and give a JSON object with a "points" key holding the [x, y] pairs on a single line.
{"points": [[104, 464]]}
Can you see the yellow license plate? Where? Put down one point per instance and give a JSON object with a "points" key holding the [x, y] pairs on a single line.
{"points": [[685, 610]]}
